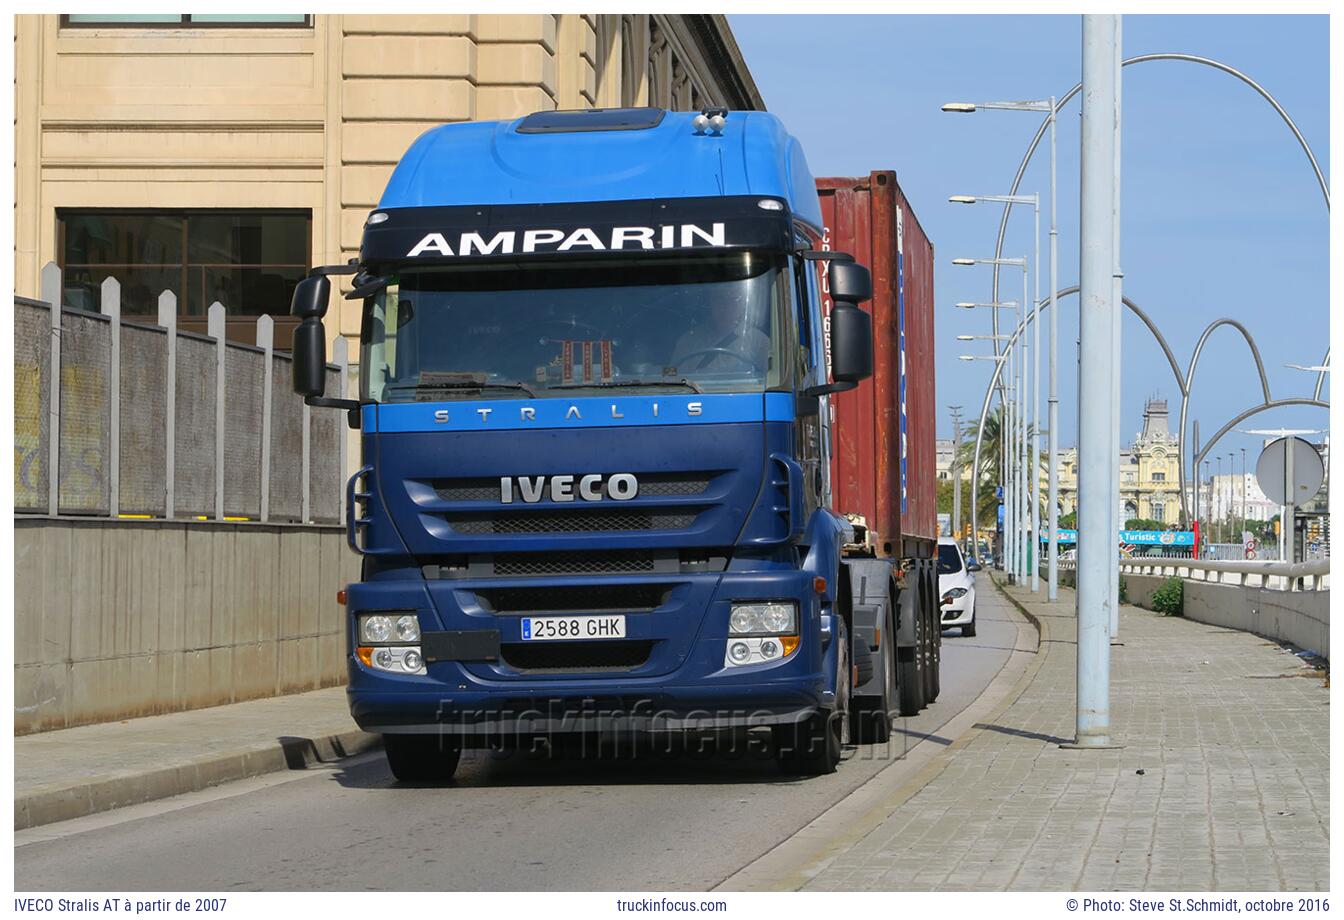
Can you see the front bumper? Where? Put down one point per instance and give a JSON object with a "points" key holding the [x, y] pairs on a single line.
{"points": [[682, 685], [959, 612]]}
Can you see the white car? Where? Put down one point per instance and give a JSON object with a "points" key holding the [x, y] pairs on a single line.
{"points": [[956, 587]]}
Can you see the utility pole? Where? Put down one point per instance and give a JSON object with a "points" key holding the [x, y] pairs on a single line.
{"points": [[956, 477], [1052, 437], [1098, 481], [1117, 313]]}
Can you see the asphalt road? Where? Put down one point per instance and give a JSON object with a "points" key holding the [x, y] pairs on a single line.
{"points": [[509, 822]]}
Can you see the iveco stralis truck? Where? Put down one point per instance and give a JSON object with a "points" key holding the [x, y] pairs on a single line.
{"points": [[597, 360]]}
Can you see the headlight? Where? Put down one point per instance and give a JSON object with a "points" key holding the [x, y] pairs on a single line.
{"points": [[742, 620], [397, 659], [389, 627], [954, 594], [408, 628], [773, 618], [377, 628]]}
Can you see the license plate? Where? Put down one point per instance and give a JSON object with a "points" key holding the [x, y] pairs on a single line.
{"points": [[603, 627]]}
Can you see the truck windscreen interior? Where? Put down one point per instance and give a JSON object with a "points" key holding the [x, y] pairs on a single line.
{"points": [[697, 322]]}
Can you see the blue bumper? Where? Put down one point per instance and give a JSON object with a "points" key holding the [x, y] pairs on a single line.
{"points": [[681, 684]]}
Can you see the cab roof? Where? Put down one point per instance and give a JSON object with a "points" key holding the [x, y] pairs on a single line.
{"points": [[604, 155]]}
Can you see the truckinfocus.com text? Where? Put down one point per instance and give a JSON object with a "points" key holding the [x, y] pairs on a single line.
{"points": [[651, 905]]}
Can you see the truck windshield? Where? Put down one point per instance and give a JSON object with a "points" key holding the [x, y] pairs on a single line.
{"points": [[702, 323]]}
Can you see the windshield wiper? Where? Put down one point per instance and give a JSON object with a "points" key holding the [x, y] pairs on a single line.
{"points": [[467, 385], [635, 382]]}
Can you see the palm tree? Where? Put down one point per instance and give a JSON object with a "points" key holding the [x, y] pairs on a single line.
{"points": [[990, 451]]}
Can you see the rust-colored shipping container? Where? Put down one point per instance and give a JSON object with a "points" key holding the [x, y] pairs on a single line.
{"points": [[883, 452]]}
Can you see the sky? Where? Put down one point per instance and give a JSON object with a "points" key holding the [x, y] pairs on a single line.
{"points": [[1221, 213]]}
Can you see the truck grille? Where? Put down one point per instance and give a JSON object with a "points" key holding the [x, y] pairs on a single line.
{"points": [[604, 520], [615, 655], [609, 562], [637, 598]]}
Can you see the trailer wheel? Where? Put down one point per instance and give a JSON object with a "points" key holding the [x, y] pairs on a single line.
{"points": [[933, 636], [422, 758], [813, 746], [872, 720], [936, 641], [910, 668]]}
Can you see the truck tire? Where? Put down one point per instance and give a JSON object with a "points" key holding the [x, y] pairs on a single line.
{"points": [[422, 758], [813, 746], [910, 667], [872, 720], [934, 635]]}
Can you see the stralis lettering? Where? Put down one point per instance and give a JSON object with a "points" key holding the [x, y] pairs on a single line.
{"points": [[583, 239]]}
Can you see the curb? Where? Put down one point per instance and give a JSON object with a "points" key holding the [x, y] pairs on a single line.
{"points": [[1042, 629], [52, 803], [824, 847]]}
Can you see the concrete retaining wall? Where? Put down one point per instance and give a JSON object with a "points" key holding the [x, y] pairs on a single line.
{"points": [[1300, 618], [118, 618]]}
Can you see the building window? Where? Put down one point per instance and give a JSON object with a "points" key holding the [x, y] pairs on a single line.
{"points": [[248, 260], [1159, 511], [185, 20], [1159, 477]]}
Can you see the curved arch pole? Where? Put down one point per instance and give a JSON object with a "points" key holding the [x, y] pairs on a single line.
{"points": [[998, 369], [1143, 59], [1190, 379], [1256, 410]]}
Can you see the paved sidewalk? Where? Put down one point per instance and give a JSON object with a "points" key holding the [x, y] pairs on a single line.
{"points": [[1230, 733], [74, 772]]}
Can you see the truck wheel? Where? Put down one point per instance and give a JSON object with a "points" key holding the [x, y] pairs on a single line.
{"points": [[910, 671], [422, 758], [933, 636], [872, 720], [813, 746]]}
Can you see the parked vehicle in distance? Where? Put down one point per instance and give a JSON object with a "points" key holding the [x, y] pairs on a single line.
{"points": [[956, 587]]}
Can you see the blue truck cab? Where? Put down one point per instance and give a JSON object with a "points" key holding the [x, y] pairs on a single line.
{"points": [[594, 487]]}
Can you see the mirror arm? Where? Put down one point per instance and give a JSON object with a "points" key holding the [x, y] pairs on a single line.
{"points": [[352, 407], [822, 389], [823, 255], [349, 268]]}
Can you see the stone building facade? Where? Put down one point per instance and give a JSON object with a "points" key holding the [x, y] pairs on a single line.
{"points": [[222, 156]]}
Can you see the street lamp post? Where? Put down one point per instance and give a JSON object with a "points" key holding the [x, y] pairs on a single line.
{"points": [[1032, 421], [1004, 479], [1016, 507], [1097, 483], [1217, 502], [1243, 490], [955, 412], [1052, 437]]}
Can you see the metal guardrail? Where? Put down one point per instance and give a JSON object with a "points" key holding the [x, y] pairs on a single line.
{"points": [[1313, 575]]}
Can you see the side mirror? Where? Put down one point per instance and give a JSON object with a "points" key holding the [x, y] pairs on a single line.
{"points": [[851, 344], [310, 355], [974, 567], [850, 283], [310, 298]]}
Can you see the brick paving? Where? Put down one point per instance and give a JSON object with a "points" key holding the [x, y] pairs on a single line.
{"points": [[1230, 730]]}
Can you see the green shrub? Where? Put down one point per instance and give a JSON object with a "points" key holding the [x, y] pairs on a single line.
{"points": [[1169, 598], [1122, 591]]}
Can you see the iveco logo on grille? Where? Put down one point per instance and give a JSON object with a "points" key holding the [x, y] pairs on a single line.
{"points": [[593, 487]]}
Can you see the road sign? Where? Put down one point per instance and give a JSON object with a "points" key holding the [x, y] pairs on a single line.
{"points": [[1307, 470]]}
